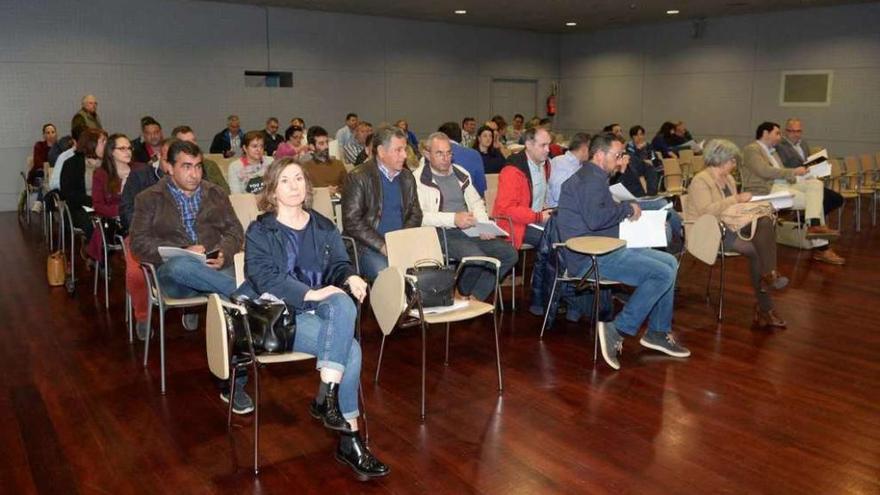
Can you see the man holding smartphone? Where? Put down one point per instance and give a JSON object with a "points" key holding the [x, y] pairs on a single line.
{"points": [[185, 211]]}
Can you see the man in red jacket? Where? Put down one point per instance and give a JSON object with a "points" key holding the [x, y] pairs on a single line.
{"points": [[522, 188]]}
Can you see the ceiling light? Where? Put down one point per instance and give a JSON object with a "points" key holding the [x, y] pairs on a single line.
{"points": [[461, 12], [672, 12], [571, 24]]}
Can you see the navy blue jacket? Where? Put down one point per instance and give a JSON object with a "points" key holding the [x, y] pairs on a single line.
{"points": [[265, 259], [586, 207], [223, 139], [470, 160]]}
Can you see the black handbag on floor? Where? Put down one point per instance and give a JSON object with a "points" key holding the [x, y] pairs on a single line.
{"points": [[272, 327], [435, 283]]}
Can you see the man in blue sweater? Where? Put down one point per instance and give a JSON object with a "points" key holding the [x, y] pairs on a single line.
{"points": [[586, 208]]}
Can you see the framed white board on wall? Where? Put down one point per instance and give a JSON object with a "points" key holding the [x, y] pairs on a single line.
{"points": [[805, 88]]}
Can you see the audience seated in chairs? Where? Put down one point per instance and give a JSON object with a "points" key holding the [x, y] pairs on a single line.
{"points": [[763, 173], [449, 202], [323, 170], [642, 163], [378, 197], [228, 142], [564, 166], [298, 256], [108, 182], [181, 209], [514, 131], [76, 177], [663, 141], [246, 173], [468, 132], [493, 160], [714, 190], [411, 138], [145, 149], [210, 170], [586, 208], [292, 146]]}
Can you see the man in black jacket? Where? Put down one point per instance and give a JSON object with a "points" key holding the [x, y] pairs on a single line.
{"points": [[379, 197], [146, 146]]}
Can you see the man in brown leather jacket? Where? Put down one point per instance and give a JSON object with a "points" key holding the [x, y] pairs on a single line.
{"points": [[379, 197]]}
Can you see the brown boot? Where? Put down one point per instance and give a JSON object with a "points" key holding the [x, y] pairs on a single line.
{"points": [[828, 256], [821, 231], [768, 319]]}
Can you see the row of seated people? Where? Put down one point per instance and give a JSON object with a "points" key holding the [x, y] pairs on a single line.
{"points": [[181, 208]]}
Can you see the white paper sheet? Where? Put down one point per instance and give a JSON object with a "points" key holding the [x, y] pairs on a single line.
{"points": [[780, 200], [490, 228], [168, 252], [621, 193], [648, 231], [821, 169], [436, 310]]}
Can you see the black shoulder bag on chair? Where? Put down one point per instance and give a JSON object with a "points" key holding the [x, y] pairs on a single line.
{"points": [[435, 283], [272, 327]]}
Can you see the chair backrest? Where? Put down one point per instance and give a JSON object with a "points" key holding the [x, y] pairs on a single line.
{"points": [[388, 298], [322, 203], [869, 169], [238, 264], [704, 238], [671, 166], [697, 164], [851, 165], [245, 207], [491, 191], [216, 342], [406, 247], [685, 156]]}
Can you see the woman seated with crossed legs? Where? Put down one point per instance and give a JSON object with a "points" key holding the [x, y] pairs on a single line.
{"points": [[297, 255], [711, 192]]}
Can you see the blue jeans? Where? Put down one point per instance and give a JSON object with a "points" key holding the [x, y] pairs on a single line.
{"points": [[185, 276], [371, 262], [479, 280], [652, 273], [329, 335]]}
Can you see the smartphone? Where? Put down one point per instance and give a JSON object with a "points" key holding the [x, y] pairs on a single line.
{"points": [[213, 254]]}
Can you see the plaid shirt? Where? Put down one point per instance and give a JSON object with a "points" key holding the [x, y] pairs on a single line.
{"points": [[189, 208]]}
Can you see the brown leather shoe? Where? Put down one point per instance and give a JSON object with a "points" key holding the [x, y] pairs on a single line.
{"points": [[773, 280], [828, 256], [821, 231], [768, 319]]}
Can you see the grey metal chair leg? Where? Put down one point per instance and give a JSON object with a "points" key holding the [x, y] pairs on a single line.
{"points": [[424, 365], [513, 288], [721, 288], [162, 348], [129, 316], [379, 363], [549, 306], [149, 332], [597, 291], [231, 397], [497, 352], [256, 417]]}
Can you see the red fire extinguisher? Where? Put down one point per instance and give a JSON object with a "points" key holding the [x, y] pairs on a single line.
{"points": [[551, 105]]}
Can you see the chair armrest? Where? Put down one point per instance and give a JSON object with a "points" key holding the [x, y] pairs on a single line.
{"points": [[481, 259]]}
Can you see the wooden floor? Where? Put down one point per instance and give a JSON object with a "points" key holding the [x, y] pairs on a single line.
{"points": [[795, 411]]}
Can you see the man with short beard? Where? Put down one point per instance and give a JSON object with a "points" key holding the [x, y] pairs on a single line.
{"points": [[322, 169], [146, 147]]}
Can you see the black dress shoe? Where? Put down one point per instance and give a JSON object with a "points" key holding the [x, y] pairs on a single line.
{"points": [[328, 411], [355, 454]]}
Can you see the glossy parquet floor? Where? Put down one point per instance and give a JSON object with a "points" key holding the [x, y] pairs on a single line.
{"points": [[793, 411]]}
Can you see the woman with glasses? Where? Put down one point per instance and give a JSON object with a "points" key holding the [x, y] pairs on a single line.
{"points": [[107, 183]]}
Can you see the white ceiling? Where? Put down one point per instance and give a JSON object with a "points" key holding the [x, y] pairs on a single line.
{"points": [[549, 15]]}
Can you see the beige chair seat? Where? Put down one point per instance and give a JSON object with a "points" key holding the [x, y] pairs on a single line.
{"points": [[284, 358], [472, 310], [173, 302], [594, 245]]}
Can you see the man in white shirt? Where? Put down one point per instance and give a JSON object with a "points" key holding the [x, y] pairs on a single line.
{"points": [[468, 132], [55, 178], [450, 202], [345, 134]]}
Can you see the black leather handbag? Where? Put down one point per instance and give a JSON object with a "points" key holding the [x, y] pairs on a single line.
{"points": [[271, 325], [435, 283]]}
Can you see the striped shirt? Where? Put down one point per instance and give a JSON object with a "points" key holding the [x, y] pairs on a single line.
{"points": [[189, 208]]}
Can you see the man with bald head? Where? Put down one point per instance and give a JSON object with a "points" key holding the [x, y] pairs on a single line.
{"points": [[87, 115]]}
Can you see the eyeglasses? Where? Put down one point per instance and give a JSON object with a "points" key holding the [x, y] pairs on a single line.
{"points": [[123, 148], [794, 130], [618, 155]]}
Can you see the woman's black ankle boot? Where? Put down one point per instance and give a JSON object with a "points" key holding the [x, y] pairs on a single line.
{"points": [[328, 410], [357, 456]]}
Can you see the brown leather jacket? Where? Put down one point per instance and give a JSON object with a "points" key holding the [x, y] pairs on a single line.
{"points": [[362, 204], [156, 222]]}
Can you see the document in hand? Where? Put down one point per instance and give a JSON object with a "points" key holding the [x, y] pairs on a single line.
{"points": [[648, 231], [780, 200], [817, 157], [490, 228], [168, 252], [621, 193], [822, 169]]}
